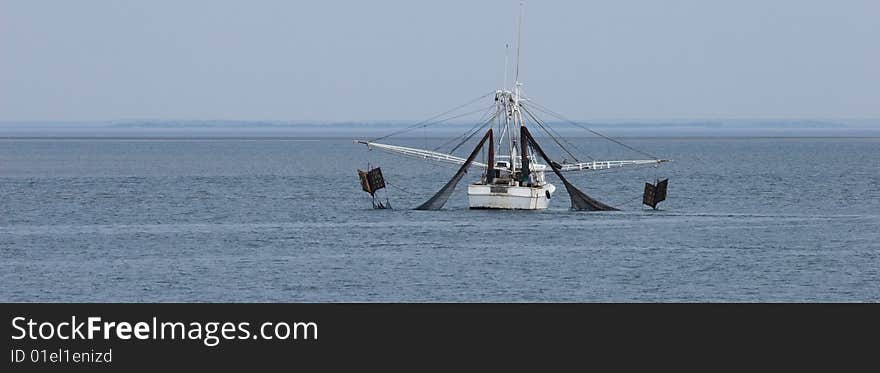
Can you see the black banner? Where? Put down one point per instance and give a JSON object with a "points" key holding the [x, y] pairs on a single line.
{"points": [[423, 336]]}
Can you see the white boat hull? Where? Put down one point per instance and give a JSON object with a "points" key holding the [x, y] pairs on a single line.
{"points": [[509, 197]]}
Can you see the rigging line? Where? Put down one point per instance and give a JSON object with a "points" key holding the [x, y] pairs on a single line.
{"points": [[400, 188], [462, 142], [618, 142], [545, 111], [387, 196], [473, 133], [618, 182], [432, 123], [548, 133], [549, 127], [427, 121], [479, 122], [629, 200]]}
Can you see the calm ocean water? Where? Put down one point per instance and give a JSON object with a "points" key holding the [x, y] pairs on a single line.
{"points": [[748, 219]]}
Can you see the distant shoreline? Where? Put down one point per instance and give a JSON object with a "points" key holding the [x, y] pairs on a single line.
{"points": [[341, 137], [209, 129]]}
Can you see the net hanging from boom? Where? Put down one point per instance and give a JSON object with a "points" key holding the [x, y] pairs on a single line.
{"points": [[438, 200], [579, 200]]}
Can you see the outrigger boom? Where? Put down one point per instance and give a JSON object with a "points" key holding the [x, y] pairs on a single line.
{"points": [[451, 159]]}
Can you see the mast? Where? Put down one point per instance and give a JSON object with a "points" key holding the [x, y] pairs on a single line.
{"points": [[511, 135], [518, 39], [517, 116], [508, 105], [506, 48]]}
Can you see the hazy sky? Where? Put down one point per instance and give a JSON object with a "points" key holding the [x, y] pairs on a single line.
{"points": [[374, 60]]}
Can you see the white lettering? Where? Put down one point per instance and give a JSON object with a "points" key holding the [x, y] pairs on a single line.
{"points": [[76, 329], [51, 330], [94, 326], [61, 336], [15, 325], [123, 330], [142, 330]]}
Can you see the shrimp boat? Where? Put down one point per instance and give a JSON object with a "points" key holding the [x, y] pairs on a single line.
{"points": [[513, 177]]}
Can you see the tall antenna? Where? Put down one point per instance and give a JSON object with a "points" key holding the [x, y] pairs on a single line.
{"points": [[518, 39], [506, 48]]}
